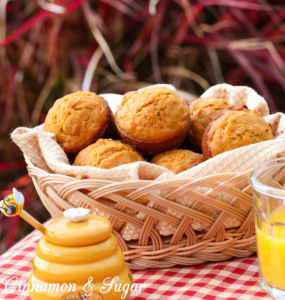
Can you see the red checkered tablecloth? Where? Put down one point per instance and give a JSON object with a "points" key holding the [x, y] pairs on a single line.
{"points": [[233, 279]]}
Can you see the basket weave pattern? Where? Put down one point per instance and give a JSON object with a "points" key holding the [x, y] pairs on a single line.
{"points": [[151, 250]]}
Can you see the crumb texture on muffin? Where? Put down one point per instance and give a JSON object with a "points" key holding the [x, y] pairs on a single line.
{"points": [[153, 114], [106, 154], [233, 128], [177, 160], [77, 120], [153, 120], [202, 112]]}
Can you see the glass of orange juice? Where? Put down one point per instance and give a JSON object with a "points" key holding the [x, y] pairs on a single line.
{"points": [[268, 182]]}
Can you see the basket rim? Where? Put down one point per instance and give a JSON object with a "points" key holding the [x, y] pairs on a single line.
{"points": [[31, 165]]}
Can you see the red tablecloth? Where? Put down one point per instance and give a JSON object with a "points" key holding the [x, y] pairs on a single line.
{"points": [[233, 279]]}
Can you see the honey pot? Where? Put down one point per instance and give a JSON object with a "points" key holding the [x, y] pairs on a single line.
{"points": [[77, 258]]}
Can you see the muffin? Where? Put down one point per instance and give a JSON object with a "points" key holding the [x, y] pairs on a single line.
{"points": [[232, 128], [153, 119], [202, 112], [177, 160], [106, 154], [78, 120]]}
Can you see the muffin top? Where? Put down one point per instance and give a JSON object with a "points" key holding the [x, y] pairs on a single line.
{"points": [[77, 120], [106, 154], [177, 160], [233, 128], [202, 112], [153, 114]]}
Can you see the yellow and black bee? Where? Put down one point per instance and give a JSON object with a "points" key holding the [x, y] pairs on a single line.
{"points": [[13, 204]]}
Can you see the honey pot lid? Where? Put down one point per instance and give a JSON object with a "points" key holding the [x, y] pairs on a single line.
{"points": [[78, 228]]}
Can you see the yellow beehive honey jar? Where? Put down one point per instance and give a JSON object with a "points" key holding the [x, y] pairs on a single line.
{"points": [[77, 258]]}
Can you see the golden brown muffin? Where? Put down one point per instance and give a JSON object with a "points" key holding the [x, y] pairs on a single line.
{"points": [[153, 119], [232, 128], [202, 112], [106, 154], [78, 120], [177, 160]]}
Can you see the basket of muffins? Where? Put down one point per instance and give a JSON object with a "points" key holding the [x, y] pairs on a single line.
{"points": [[170, 175]]}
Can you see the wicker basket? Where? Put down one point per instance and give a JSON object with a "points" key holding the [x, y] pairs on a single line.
{"points": [[154, 226], [151, 250]]}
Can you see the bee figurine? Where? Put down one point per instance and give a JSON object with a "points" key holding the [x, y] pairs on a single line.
{"points": [[13, 204]]}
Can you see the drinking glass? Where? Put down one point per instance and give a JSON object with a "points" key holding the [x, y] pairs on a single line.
{"points": [[268, 182]]}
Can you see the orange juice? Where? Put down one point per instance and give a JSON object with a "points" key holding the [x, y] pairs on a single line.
{"points": [[271, 250]]}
